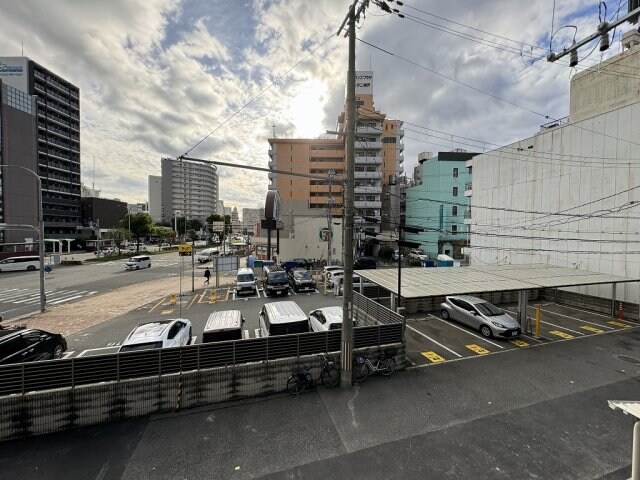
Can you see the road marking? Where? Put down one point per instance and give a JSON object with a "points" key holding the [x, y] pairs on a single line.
{"points": [[583, 310], [562, 334], [618, 324], [592, 329], [157, 304], [195, 297], [246, 334], [431, 339], [67, 354], [93, 350], [113, 344], [66, 299], [574, 318], [534, 338], [258, 332], [563, 328], [519, 343], [468, 332], [477, 349], [193, 340], [433, 357], [166, 312]]}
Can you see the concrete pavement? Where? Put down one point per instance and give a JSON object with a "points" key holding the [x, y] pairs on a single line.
{"points": [[535, 413]]}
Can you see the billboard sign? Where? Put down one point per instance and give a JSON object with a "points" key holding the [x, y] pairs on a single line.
{"points": [[13, 71]]}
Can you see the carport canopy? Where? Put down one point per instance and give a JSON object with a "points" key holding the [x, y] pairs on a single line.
{"points": [[420, 282]]}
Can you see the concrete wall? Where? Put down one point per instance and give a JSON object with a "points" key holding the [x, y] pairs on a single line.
{"points": [[563, 198], [55, 410]]}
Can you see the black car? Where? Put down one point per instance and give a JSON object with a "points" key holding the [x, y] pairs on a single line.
{"points": [[363, 263], [31, 345], [301, 279]]}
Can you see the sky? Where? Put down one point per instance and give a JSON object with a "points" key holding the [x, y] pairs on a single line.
{"points": [[217, 78]]}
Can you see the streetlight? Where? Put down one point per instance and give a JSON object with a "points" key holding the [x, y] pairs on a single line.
{"points": [[40, 231]]}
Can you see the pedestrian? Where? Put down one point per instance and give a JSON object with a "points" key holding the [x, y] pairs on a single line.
{"points": [[207, 275]]}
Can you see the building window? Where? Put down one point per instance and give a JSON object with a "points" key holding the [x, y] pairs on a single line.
{"points": [[454, 211], [455, 191], [454, 229], [389, 140], [455, 173]]}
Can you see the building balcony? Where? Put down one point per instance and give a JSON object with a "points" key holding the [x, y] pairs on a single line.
{"points": [[368, 160], [367, 204], [368, 190], [368, 145], [368, 129], [467, 189], [367, 175]]}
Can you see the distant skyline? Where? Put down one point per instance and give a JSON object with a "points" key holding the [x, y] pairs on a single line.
{"points": [[156, 77]]}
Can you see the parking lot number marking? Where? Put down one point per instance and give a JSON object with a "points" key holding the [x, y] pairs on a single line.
{"points": [[558, 333], [519, 343], [618, 324], [166, 312], [433, 357], [592, 329], [477, 349]]}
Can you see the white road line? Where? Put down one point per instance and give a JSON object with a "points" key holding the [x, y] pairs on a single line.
{"points": [[14, 294], [468, 332], [577, 319], [67, 354], [94, 350], [582, 310], [562, 328], [246, 334], [434, 341], [66, 299], [193, 340], [534, 338]]}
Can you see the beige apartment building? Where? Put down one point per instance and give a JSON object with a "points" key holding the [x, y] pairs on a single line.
{"points": [[378, 163]]}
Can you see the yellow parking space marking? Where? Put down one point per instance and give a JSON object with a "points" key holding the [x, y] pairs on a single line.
{"points": [[433, 357], [519, 343], [166, 312], [592, 329], [619, 324], [156, 305], [558, 333], [477, 349]]}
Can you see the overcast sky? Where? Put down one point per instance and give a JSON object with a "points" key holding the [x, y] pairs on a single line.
{"points": [[156, 77]]}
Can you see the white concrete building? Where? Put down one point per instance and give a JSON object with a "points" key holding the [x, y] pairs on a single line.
{"points": [[570, 195], [251, 216]]}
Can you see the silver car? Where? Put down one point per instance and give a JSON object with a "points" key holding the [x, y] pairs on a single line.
{"points": [[480, 314]]}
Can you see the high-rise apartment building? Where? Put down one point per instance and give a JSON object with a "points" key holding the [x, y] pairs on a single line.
{"points": [[189, 189], [39, 131], [378, 162]]}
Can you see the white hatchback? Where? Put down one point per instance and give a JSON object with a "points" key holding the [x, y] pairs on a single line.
{"points": [[327, 318], [159, 334]]}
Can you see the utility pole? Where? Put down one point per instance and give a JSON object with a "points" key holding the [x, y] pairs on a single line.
{"points": [[347, 299], [602, 32]]}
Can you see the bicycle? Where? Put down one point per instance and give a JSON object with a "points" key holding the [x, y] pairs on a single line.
{"points": [[301, 379], [365, 367]]}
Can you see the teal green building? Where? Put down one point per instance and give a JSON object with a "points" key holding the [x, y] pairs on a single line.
{"points": [[437, 203]]}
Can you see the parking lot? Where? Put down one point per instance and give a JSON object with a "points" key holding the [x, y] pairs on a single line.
{"points": [[432, 340]]}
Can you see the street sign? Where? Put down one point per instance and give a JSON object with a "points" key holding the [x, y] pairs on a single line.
{"points": [[217, 226], [184, 250]]}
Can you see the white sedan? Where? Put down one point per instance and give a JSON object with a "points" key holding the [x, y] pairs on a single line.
{"points": [[327, 318], [159, 334]]}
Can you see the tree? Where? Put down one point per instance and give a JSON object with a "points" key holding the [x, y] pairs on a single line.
{"points": [[164, 233], [194, 224], [386, 252], [140, 225], [118, 236]]}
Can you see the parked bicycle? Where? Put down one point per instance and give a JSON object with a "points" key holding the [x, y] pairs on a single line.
{"points": [[365, 367], [301, 378]]}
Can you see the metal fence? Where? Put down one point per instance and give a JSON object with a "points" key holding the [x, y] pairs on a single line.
{"points": [[367, 311], [69, 373]]}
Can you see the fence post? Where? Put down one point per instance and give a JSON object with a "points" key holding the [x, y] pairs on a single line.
{"points": [[117, 367], [298, 346], [234, 354], [23, 387], [73, 373], [198, 357]]}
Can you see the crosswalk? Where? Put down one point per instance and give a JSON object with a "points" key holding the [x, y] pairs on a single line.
{"points": [[154, 263], [30, 296]]}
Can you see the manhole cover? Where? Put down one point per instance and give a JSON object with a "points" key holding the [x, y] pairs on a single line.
{"points": [[628, 359]]}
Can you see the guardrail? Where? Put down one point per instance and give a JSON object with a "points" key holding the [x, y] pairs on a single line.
{"points": [[70, 373]]}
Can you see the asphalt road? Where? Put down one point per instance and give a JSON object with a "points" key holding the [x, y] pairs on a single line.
{"points": [[532, 413], [20, 291]]}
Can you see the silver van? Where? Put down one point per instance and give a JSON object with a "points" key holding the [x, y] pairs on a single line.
{"points": [[138, 262], [224, 325], [245, 281], [207, 254], [12, 264], [282, 318]]}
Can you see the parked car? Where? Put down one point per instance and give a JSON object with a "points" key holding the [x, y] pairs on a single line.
{"points": [[481, 315], [330, 268], [332, 276], [362, 263], [327, 318], [159, 334], [275, 281], [282, 318], [207, 255], [300, 279], [246, 281], [30, 345], [396, 253], [418, 255]]}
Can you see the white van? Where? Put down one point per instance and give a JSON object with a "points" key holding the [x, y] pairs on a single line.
{"points": [[282, 318], [12, 264], [138, 262], [245, 281], [223, 325], [207, 254]]}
